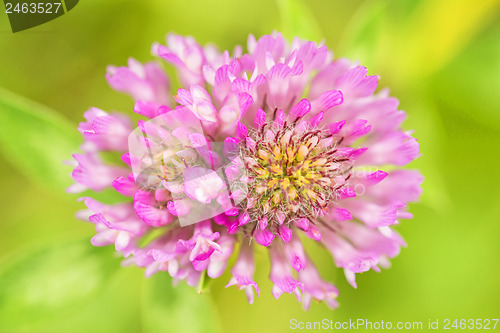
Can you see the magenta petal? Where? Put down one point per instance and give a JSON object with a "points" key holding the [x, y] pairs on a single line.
{"points": [[315, 287], [125, 186], [263, 237], [230, 148], [202, 184], [243, 219], [285, 233], [122, 241], [376, 176], [178, 207], [345, 192], [294, 251], [302, 224], [356, 83], [327, 100], [336, 127], [152, 215], [126, 159], [148, 109], [183, 97], [314, 121], [197, 140], [281, 273], [287, 285], [314, 233], [340, 214], [280, 118], [233, 172], [161, 256], [263, 223], [357, 152], [250, 143], [242, 131], [300, 109], [360, 128], [103, 238], [260, 118]]}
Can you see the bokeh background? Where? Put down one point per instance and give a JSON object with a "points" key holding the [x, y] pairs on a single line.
{"points": [[441, 58]]}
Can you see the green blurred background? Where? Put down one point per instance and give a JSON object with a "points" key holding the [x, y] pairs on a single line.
{"points": [[441, 58]]}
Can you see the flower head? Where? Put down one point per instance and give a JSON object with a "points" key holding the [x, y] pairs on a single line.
{"points": [[259, 149]]}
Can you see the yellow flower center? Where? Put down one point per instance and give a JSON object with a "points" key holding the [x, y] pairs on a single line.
{"points": [[292, 172]]}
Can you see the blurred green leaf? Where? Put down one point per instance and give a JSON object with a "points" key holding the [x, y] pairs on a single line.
{"points": [[418, 37], [36, 139], [364, 34], [176, 309], [298, 20], [438, 30], [469, 84], [52, 283], [114, 310]]}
